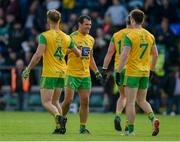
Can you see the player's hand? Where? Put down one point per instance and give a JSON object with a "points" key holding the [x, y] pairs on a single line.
{"points": [[99, 77], [118, 78], [104, 73], [79, 47], [25, 73]]}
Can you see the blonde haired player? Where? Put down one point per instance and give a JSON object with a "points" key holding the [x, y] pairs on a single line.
{"points": [[115, 47], [52, 45], [139, 44]]}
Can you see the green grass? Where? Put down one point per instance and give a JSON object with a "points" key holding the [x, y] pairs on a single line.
{"points": [[21, 126]]}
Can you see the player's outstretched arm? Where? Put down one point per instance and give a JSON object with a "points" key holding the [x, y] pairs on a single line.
{"points": [[154, 57], [35, 59], [109, 54]]}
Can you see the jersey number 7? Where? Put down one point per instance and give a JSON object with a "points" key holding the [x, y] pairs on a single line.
{"points": [[144, 46]]}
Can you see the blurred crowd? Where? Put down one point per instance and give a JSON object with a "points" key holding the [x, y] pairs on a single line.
{"points": [[21, 21]]}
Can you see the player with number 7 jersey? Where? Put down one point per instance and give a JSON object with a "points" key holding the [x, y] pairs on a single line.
{"points": [[141, 42]]}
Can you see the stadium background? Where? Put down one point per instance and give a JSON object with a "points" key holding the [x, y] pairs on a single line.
{"points": [[21, 21]]}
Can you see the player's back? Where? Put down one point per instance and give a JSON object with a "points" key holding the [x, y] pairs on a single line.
{"points": [[54, 64], [118, 40], [138, 63]]}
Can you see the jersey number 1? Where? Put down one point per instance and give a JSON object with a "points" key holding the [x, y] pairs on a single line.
{"points": [[144, 46], [120, 47], [58, 53]]}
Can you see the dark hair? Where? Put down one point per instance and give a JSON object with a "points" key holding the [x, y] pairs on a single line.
{"points": [[81, 18], [137, 15], [54, 15]]}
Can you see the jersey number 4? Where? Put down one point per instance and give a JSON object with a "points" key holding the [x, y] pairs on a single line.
{"points": [[144, 46], [58, 53]]}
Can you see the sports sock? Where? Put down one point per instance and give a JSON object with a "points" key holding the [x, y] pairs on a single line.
{"points": [[151, 116], [57, 116], [82, 126], [131, 128], [118, 113], [126, 125]]}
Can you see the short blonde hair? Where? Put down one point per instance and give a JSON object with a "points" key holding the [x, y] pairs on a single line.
{"points": [[53, 15]]}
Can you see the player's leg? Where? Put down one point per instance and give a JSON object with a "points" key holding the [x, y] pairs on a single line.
{"points": [[141, 101], [130, 107], [46, 98], [131, 88], [84, 93], [47, 90], [55, 99], [84, 109], [68, 98], [71, 83], [121, 102]]}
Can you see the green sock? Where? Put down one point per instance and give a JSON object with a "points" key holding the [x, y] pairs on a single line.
{"points": [[151, 116], [82, 127], [126, 125], [57, 121], [131, 128], [118, 113]]}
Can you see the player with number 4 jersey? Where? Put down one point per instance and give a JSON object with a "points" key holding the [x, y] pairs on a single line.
{"points": [[52, 45]]}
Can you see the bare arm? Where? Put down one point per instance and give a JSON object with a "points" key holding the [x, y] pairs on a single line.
{"points": [[37, 56], [154, 57], [76, 51], [123, 58], [109, 54], [93, 63]]}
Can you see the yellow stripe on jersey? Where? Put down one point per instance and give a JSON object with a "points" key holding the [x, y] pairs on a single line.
{"points": [[79, 66], [118, 40], [57, 42], [141, 43]]}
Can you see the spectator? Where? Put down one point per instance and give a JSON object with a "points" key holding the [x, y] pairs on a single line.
{"points": [[166, 11], [16, 37], [118, 13], [172, 88], [150, 9], [4, 29], [18, 84], [165, 37]]}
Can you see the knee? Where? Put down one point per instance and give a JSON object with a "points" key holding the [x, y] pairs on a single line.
{"points": [[140, 102], [46, 104], [122, 97], [85, 102], [55, 102], [130, 103]]}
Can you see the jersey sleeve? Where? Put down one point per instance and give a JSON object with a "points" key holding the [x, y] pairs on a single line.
{"points": [[127, 41], [112, 39], [71, 45], [42, 39]]}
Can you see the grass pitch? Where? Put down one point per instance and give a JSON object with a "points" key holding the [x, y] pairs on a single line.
{"points": [[25, 126]]}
